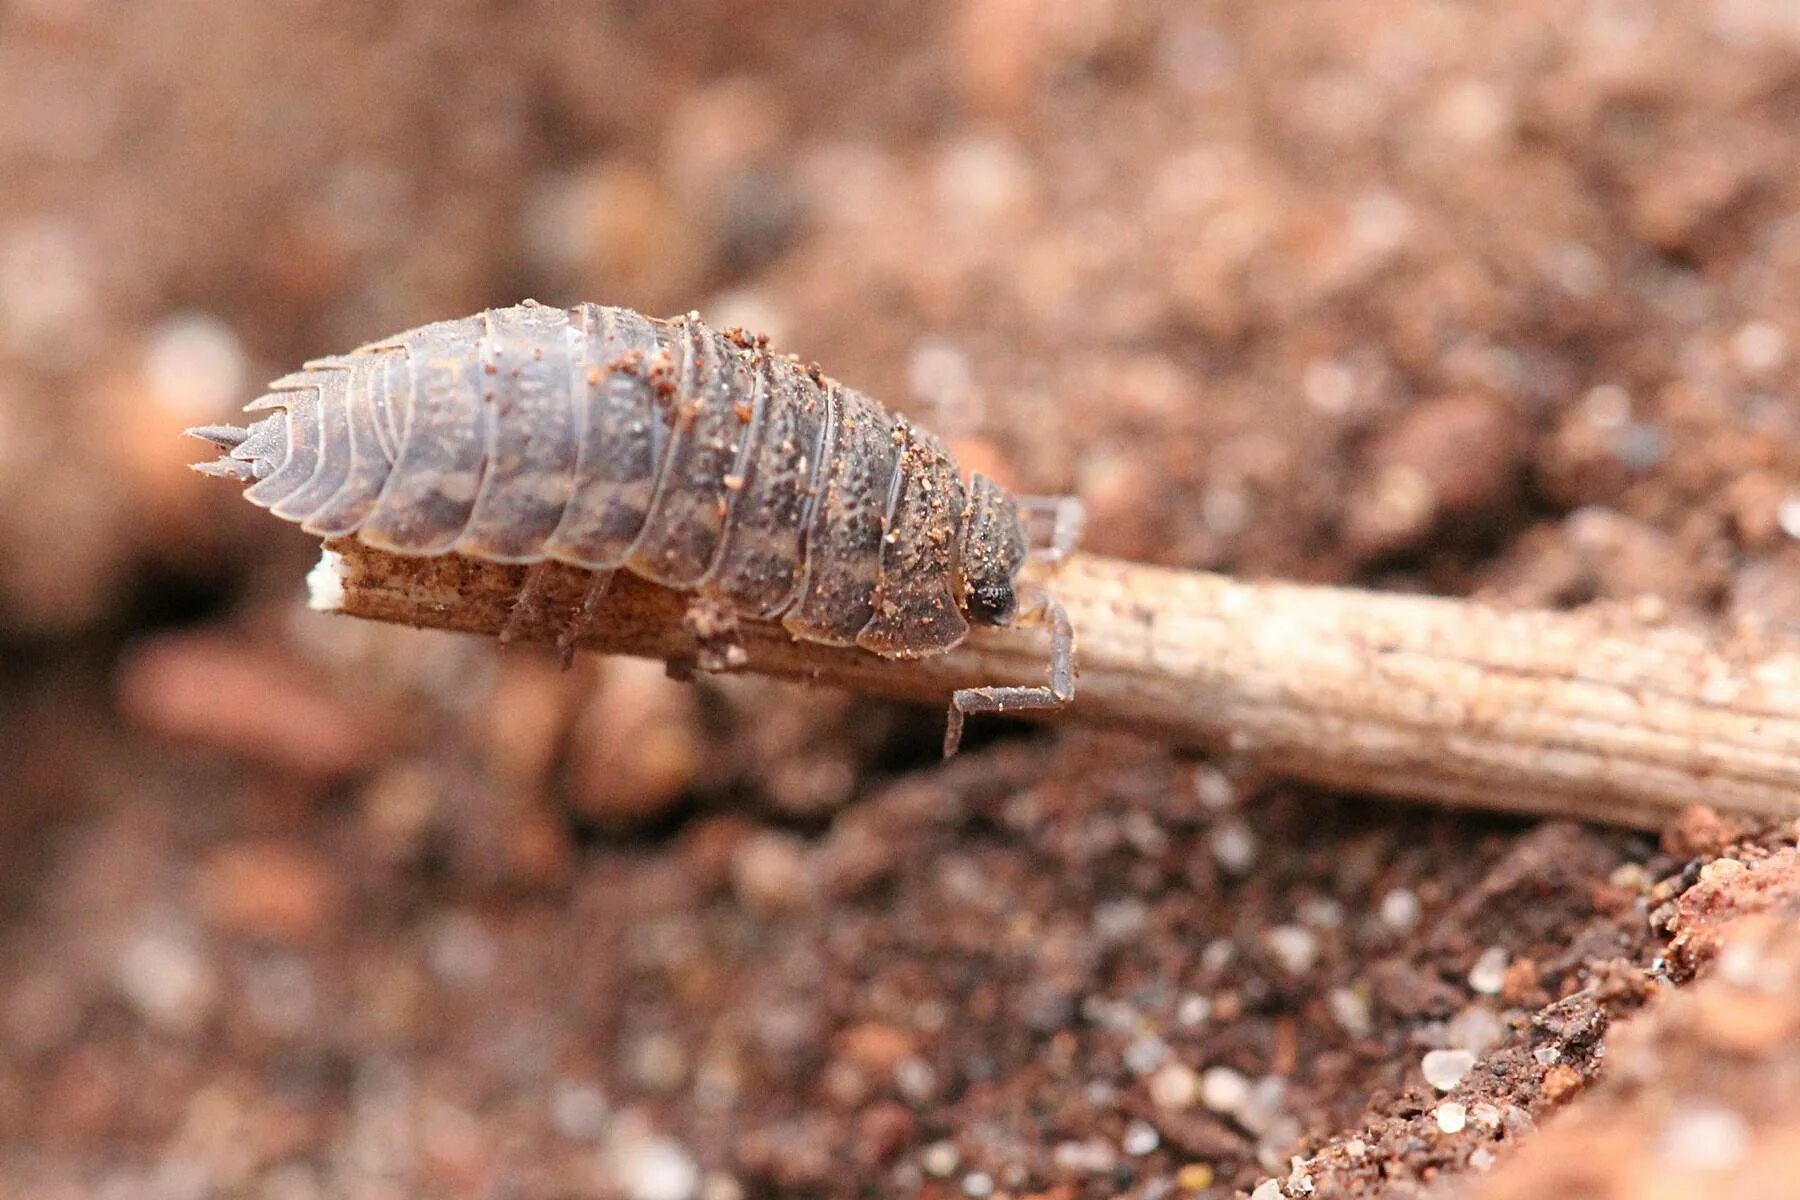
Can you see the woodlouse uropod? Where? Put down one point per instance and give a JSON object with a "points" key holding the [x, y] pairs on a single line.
{"points": [[604, 439]]}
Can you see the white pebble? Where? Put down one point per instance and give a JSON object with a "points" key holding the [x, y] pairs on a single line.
{"points": [[940, 1159], [578, 1110], [1482, 1159], [1350, 1010], [194, 366], [1120, 920], [1451, 1117], [916, 1079], [1485, 1115], [1213, 789], [1092, 1157], [1444, 1069], [1787, 515], [1140, 1138], [938, 374], [652, 1167], [1474, 1029], [1223, 1090], [1268, 1189], [165, 975], [978, 1184], [461, 950], [1234, 847], [1321, 912], [1400, 910], [1217, 955], [1193, 1010], [1759, 346], [1489, 972], [1145, 1054], [1174, 1087], [1705, 1137], [1276, 1145], [1546, 1056], [1262, 1114], [1295, 948]]}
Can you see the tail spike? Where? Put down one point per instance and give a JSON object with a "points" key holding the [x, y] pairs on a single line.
{"points": [[225, 437]]}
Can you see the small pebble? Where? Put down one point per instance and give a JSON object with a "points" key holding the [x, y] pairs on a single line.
{"points": [[1145, 1054], [1217, 955], [940, 1159], [1759, 346], [1488, 974], [1093, 1157], [1268, 1189], [1705, 1137], [165, 975], [1223, 1090], [194, 366], [1321, 912], [659, 1062], [1276, 1145], [916, 1079], [1262, 1113], [1234, 847], [1295, 948], [1482, 1159], [1195, 1177], [1561, 1082], [651, 1167], [1444, 1069], [978, 1184], [1193, 1010], [1120, 920], [1451, 1117], [578, 1110], [1212, 787], [1175, 1087], [461, 950], [1546, 1056], [1788, 516], [1140, 1138], [1350, 1010], [1474, 1029], [1400, 910], [720, 1186]]}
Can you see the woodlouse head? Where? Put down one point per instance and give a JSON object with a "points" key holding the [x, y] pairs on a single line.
{"points": [[989, 555]]}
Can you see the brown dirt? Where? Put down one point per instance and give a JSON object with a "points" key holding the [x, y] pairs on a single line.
{"points": [[1494, 299]]}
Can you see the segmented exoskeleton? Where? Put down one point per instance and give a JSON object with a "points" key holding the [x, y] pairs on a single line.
{"points": [[604, 439]]}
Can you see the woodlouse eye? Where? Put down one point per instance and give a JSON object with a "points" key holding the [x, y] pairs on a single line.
{"points": [[992, 603]]}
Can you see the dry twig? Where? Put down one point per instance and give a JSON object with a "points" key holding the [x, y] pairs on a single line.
{"points": [[1590, 714]]}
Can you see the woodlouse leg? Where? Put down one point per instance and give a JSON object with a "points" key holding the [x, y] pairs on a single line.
{"points": [[1066, 516], [528, 604], [1015, 699], [583, 619]]}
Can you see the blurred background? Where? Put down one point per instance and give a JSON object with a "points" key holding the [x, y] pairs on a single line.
{"points": [[1477, 299]]}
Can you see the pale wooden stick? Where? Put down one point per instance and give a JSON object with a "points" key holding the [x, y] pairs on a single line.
{"points": [[1589, 714]]}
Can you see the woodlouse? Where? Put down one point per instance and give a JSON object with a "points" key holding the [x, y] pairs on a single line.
{"points": [[604, 439]]}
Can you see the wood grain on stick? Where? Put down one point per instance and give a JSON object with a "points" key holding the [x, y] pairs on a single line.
{"points": [[1590, 714]]}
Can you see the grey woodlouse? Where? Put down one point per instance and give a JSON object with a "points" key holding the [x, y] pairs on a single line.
{"points": [[604, 439]]}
